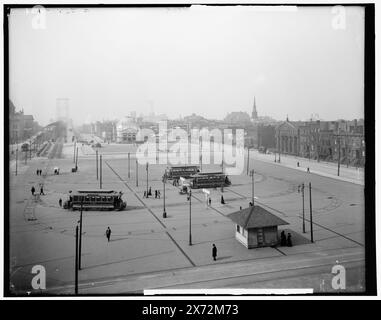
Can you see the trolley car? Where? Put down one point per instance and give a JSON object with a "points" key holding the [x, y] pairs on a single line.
{"points": [[176, 172], [95, 200], [209, 180]]}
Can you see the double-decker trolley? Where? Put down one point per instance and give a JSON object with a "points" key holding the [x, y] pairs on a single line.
{"points": [[95, 200], [209, 180], [176, 172]]}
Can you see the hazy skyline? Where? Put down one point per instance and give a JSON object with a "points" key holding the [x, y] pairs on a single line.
{"points": [[203, 60]]}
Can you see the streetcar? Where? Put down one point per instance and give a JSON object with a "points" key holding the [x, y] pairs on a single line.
{"points": [[95, 200], [209, 180], [175, 172]]}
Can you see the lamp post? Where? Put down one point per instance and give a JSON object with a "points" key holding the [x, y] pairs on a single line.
{"points": [[100, 171], [137, 173], [190, 216], [75, 144], [129, 166], [248, 160], [164, 181]]}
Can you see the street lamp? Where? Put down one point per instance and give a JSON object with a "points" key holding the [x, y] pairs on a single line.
{"points": [[164, 181], [147, 177], [76, 261]]}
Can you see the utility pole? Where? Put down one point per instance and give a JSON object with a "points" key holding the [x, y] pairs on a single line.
{"points": [[164, 181], [301, 187], [129, 166], [311, 224], [17, 151], [75, 144], [137, 173], [80, 237], [76, 261], [76, 160], [252, 186], [339, 158], [100, 171], [248, 160], [147, 177], [279, 146], [190, 216], [96, 161], [30, 149]]}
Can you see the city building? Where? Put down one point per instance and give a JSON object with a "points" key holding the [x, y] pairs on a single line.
{"points": [[126, 130], [21, 126], [256, 227]]}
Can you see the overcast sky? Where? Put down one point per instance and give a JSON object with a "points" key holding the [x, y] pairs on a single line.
{"points": [[204, 60]]}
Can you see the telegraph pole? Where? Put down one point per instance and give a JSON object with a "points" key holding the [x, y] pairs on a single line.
{"points": [[190, 216], [100, 171], [75, 144], [147, 177], [137, 173], [76, 160], [80, 238], [30, 149], [17, 151], [164, 181], [129, 166], [301, 187], [76, 261], [311, 224], [339, 158], [248, 159], [279, 146], [252, 186], [96, 161]]}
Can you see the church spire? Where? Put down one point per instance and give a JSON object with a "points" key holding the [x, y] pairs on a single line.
{"points": [[254, 114]]}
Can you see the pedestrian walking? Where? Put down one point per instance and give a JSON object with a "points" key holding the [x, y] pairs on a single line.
{"points": [[42, 191], [60, 202], [158, 194], [210, 201], [214, 252], [250, 204], [155, 194], [289, 242], [145, 194], [32, 190], [308, 169], [40, 172], [149, 192], [222, 200], [108, 234], [297, 164], [240, 207], [37, 171], [283, 240]]}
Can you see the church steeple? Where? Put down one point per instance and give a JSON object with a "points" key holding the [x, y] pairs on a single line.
{"points": [[254, 114]]}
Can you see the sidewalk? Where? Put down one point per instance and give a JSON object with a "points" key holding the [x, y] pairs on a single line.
{"points": [[325, 169], [213, 272]]}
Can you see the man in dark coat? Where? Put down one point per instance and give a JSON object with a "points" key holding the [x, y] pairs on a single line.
{"points": [[289, 242], [60, 202], [283, 240], [32, 190], [214, 252], [222, 200], [108, 234], [42, 191]]}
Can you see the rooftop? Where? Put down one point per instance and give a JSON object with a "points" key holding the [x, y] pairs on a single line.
{"points": [[255, 217]]}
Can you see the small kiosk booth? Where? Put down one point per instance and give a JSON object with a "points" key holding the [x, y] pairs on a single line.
{"points": [[256, 227]]}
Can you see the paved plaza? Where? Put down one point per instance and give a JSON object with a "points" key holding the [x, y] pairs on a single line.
{"points": [[149, 251]]}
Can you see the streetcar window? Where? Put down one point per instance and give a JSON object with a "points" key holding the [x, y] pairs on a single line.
{"points": [[109, 198], [98, 199], [92, 199], [104, 199], [87, 198], [75, 198]]}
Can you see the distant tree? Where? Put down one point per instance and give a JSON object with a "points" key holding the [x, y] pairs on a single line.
{"points": [[237, 117]]}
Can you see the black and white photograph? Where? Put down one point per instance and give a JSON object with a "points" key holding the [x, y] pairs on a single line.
{"points": [[189, 149]]}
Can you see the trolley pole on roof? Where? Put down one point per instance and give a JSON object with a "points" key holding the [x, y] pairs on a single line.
{"points": [[100, 171]]}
